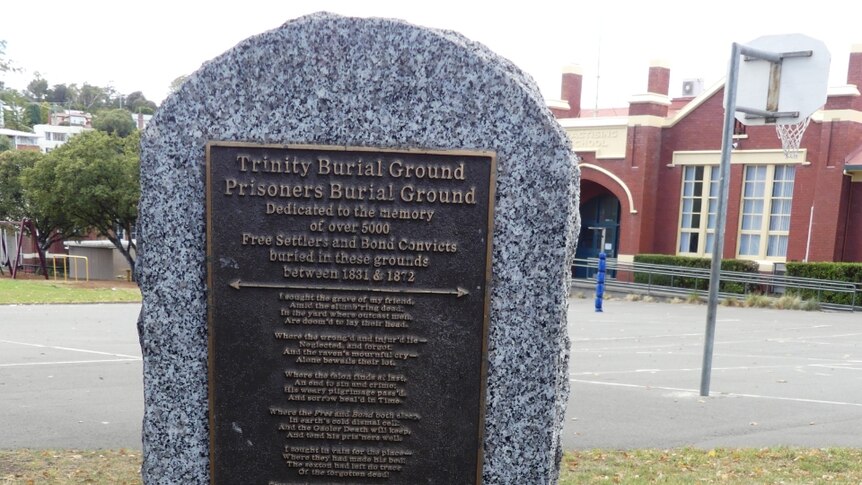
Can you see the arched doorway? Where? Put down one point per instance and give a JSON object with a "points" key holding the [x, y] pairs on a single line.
{"points": [[599, 213]]}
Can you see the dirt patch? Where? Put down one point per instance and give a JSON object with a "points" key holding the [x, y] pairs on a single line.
{"points": [[10, 465]]}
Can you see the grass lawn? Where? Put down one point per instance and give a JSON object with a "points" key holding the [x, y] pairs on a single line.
{"points": [[679, 466], [721, 466], [67, 467], [38, 290]]}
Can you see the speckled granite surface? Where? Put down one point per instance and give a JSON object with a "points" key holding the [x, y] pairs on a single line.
{"points": [[331, 80]]}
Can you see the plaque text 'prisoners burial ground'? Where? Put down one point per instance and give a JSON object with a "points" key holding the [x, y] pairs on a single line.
{"points": [[347, 314]]}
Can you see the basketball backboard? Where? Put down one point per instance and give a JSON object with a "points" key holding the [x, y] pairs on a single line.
{"points": [[801, 80]]}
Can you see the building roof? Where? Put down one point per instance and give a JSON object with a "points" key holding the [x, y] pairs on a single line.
{"points": [[8, 132]]}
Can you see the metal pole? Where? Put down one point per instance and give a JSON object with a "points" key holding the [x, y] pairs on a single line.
{"points": [[600, 281], [723, 189], [810, 225]]}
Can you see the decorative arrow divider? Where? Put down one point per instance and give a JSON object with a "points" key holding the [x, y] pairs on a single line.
{"points": [[458, 291]]}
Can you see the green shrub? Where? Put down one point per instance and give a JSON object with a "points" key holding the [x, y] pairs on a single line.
{"points": [[849, 272], [689, 262]]}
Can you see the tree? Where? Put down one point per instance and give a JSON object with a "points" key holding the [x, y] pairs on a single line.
{"points": [[62, 94], [16, 103], [33, 114], [38, 88], [12, 164], [13, 119], [5, 143], [17, 202], [114, 121], [90, 97], [176, 83], [136, 102], [5, 64], [92, 180]]}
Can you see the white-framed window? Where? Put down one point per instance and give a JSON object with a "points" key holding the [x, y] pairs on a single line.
{"points": [[698, 205], [764, 221]]}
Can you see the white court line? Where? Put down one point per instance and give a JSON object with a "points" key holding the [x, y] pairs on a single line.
{"points": [[607, 339], [723, 394], [835, 366], [691, 369], [698, 343], [70, 349], [26, 364], [809, 327]]}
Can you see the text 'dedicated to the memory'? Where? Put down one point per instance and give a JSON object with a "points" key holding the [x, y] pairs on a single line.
{"points": [[348, 313]]}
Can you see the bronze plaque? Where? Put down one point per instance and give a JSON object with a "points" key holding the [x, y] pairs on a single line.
{"points": [[348, 313]]}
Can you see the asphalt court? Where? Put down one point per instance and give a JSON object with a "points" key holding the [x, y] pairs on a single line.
{"points": [[70, 377], [779, 377]]}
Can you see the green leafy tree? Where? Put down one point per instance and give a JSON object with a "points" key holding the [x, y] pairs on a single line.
{"points": [[45, 110], [92, 180], [5, 64], [136, 102], [16, 200], [38, 88], [14, 116], [33, 114], [5, 143], [13, 120], [176, 83], [62, 94], [114, 121], [91, 97], [12, 164]]}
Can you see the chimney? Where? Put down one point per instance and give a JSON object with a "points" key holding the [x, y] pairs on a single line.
{"points": [[659, 77], [570, 90], [656, 101], [854, 69]]}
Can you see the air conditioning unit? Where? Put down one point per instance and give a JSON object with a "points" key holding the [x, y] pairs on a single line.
{"points": [[692, 87]]}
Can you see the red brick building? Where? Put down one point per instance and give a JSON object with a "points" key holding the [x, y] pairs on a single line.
{"points": [[649, 176]]}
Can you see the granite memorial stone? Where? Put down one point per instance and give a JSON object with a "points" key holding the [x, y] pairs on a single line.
{"points": [[354, 242]]}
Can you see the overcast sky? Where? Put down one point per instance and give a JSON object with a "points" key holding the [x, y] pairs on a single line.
{"points": [[143, 46]]}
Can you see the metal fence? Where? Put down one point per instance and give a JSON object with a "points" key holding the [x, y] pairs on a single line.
{"points": [[665, 280]]}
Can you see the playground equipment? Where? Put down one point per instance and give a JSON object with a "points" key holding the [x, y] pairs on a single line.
{"points": [[14, 264]]}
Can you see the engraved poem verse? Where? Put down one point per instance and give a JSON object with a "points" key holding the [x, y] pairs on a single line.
{"points": [[348, 311]]}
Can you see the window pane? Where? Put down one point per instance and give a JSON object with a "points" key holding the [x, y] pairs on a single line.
{"points": [[749, 245], [688, 189], [713, 205], [686, 221], [692, 246], [777, 246], [757, 206], [759, 189], [779, 223], [684, 241], [710, 239]]}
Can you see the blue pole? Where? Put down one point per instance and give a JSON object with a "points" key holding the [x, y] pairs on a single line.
{"points": [[600, 281]]}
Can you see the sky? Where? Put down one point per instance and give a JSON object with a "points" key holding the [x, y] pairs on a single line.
{"points": [[143, 46]]}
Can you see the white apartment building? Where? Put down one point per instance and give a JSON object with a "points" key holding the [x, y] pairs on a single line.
{"points": [[21, 140], [52, 136]]}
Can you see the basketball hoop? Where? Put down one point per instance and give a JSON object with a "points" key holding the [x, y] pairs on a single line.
{"points": [[790, 135]]}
